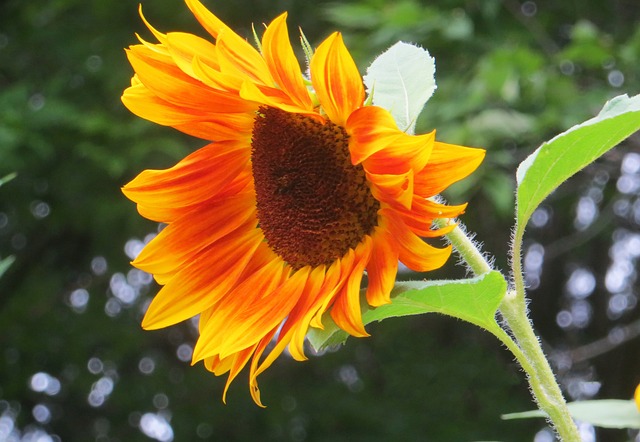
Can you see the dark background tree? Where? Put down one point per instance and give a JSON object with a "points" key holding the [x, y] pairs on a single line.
{"points": [[74, 363]]}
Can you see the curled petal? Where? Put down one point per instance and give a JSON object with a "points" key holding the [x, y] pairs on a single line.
{"points": [[393, 189], [197, 286], [195, 179], [420, 216], [336, 79], [346, 309], [166, 81], [382, 268], [181, 240], [283, 64], [414, 252], [448, 164], [377, 142]]}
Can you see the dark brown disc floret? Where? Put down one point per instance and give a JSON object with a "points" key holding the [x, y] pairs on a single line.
{"points": [[313, 204]]}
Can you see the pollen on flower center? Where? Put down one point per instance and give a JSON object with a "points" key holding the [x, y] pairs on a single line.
{"points": [[313, 204]]}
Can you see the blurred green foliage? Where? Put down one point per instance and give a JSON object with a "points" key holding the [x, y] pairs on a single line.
{"points": [[510, 74]]}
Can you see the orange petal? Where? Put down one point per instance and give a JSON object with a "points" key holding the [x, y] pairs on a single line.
{"points": [[242, 184], [239, 360], [346, 310], [237, 57], [253, 381], [208, 126], [371, 129], [330, 286], [393, 189], [336, 79], [293, 322], [213, 331], [184, 47], [381, 268], [283, 64], [221, 127], [196, 178], [407, 152], [299, 317], [337, 275], [448, 163], [210, 22], [168, 82], [414, 252], [264, 314], [384, 149], [180, 240], [422, 213], [203, 282]]}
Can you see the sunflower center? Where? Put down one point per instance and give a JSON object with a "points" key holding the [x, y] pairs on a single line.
{"points": [[313, 204]]}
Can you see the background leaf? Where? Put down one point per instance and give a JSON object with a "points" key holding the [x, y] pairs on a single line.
{"points": [[473, 300], [560, 158], [5, 179], [401, 81], [606, 413], [5, 264]]}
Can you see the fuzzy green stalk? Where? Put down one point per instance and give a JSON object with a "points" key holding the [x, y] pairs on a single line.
{"points": [[522, 341]]}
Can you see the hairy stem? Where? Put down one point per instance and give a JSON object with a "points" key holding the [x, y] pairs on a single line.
{"points": [[542, 380], [522, 342], [465, 247]]}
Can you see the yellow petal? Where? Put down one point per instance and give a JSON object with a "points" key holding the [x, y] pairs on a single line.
{"points": [[207, 19], [283, 64], [237, 57], [381, 268], [181, 240], [203, 282], [448, 163], [265, 314], [212, 331], [184, 47], [346, 309], [337, 275], [166, 81], [336, 79], [414, 252], [422, 213], [293, 323], [196, 178], [377, 142], [206, 125], [393, 189]]}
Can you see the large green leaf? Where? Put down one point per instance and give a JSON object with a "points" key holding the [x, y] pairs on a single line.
{"points": [[6, 263], [473, 300], [560, 158], [606, 413], [5, 179], [401, 80]]}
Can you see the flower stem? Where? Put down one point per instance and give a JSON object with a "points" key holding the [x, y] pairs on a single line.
{"points": [[522, 342], [465, 247], [542, 381]]}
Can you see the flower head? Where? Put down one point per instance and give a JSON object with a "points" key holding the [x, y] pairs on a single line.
{"points": [[301, 189]]}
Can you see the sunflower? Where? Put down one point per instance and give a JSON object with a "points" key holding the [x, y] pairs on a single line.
{"points": [[302, 189]]}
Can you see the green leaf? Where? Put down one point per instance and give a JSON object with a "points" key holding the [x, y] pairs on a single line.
{"points": [[560, 158], [401, 80], [5, 179], [606, 413], [473, 300], [5, 264]]}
